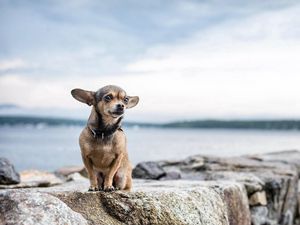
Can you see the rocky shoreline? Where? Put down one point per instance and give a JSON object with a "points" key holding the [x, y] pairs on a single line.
{"points": [[204, 190]]}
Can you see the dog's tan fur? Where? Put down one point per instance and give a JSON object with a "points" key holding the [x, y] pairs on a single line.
{"points": [[106, 158]]}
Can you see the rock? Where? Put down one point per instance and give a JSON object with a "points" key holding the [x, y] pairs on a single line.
{"points": [[291, 157], [281, 195], [298, 216], [237, 203], [164, 202], [68, 170], [172, 175], [193, 163], [276, 176], [258, 198], [151, 202], [75, 177], [35, 178], [148, 170], [198, 190], [8, 174], [29, 207], [259, 216], [40, 177], [251, 182]]}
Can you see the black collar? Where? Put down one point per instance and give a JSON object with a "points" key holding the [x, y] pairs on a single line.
{"points": [[103, 131]]}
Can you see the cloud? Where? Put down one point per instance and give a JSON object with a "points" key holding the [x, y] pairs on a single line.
{"points": [[244, 68], [62, 38], [262, 40], [191, 60], [13, 64]]}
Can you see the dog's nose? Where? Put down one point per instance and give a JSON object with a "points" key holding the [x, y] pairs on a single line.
{"points": [[120, 106]]}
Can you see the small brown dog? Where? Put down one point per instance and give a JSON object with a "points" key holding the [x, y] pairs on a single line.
{"points": [[102, 141]]}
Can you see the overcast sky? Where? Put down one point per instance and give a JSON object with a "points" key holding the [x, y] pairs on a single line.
{"points": [[185, 59]]}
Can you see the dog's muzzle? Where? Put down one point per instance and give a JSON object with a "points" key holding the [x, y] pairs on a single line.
{"points": [[119, 113], [119, 110]]}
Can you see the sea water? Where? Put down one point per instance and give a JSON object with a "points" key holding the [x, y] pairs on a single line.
{"points": [[51, 147]]}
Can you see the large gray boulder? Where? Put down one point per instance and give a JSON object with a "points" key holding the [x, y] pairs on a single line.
{"points": [[8, 174], [167, 202], [148, 170], [32, 207], [155, 202]]}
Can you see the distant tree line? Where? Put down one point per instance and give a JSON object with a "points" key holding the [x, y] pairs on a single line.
{"points": [[238, 124], [28, 120], [204, 124]]}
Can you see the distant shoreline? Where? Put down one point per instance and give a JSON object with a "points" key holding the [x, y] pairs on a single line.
{"points": [[195, 124]]}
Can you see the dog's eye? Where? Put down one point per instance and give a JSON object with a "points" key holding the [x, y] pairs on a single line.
{"points": [[126, 100], [107, 98]]}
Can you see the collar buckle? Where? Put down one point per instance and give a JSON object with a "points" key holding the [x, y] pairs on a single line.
{"points": [[94, 133]]}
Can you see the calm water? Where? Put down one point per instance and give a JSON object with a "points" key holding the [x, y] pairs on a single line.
{"points": [[49, 148]]}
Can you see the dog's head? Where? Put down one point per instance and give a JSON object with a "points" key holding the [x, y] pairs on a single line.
{"points": [[109, 101]]}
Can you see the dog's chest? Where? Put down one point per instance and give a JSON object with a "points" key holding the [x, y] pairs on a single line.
{"points": [[102, 155]]}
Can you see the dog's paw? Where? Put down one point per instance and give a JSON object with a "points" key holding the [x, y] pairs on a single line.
{"points": [[109, 188], [93, 189]]}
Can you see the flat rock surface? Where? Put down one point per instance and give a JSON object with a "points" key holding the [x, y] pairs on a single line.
{"points": [[68, 170], [35, 178], [291, 157], [151, 202]]}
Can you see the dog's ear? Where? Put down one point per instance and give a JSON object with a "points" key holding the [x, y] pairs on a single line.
{"points": [[133, 101], [87, 97]]}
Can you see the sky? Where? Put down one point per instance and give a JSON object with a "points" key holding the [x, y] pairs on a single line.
{"points": [[185, 59]]}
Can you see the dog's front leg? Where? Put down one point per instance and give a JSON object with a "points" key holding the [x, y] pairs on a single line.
{"points": [[108, 180], [92, 176]]}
